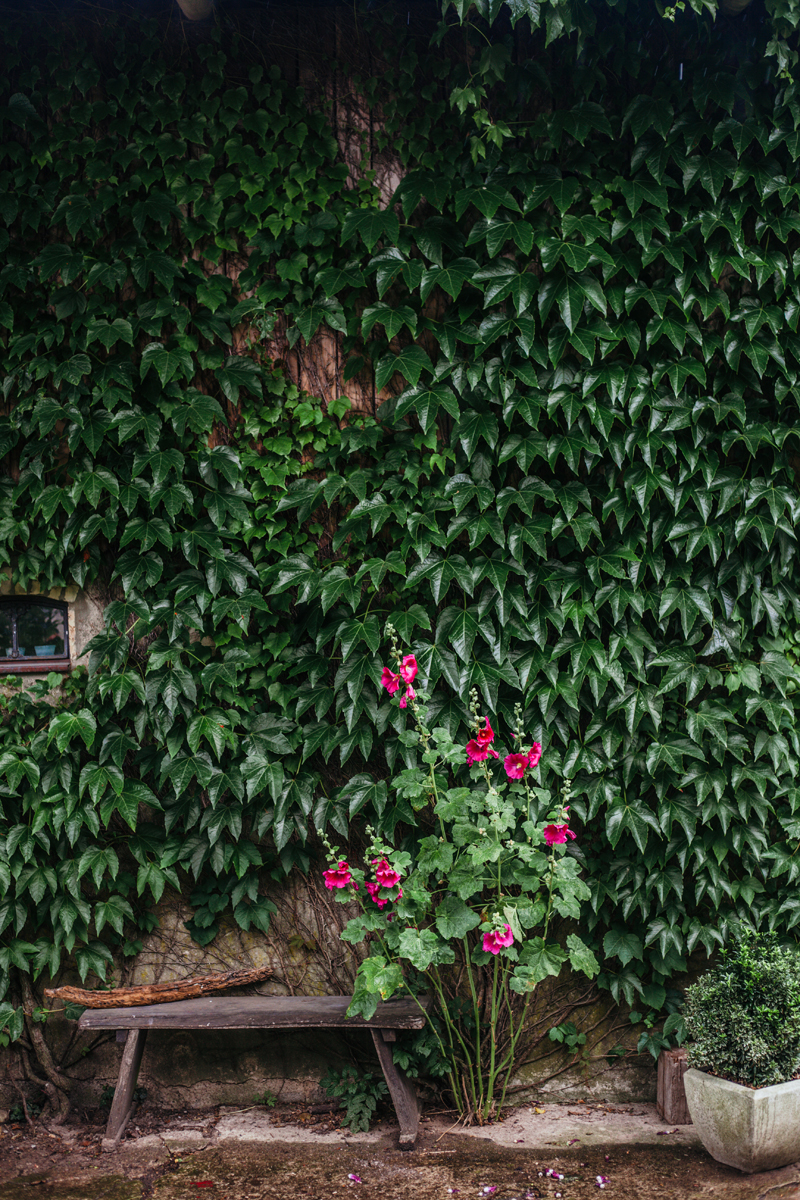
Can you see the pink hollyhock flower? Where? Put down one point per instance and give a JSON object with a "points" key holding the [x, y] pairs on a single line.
{"points": [[485, 735], [515, 765], [373, 889], [410, 695], [386, 875], [496, 939], [534, 754], [556, 835], [480, 747], [381, 901], [390, 681], [337, 877], [408, 668]]}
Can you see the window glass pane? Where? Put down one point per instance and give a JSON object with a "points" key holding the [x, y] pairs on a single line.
{"points": [[5, 631], [40, 631]]}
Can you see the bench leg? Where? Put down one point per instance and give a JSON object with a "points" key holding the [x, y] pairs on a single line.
{"points": [[401, 1089], [126, 1085]]}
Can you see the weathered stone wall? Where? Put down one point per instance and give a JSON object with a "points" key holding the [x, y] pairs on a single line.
{"points": [[305, 956]]}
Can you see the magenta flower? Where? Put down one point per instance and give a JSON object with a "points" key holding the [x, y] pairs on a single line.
{"points": [[390, 681], [556, 835], [516, 765], [381, 901], [534, 754], [337, 877], [408, 668], [480, 747], [374, 889], [386, 875], [496, 939], [410, 695]]}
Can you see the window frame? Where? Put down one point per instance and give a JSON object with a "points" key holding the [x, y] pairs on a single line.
{"points": [[31, 664]]}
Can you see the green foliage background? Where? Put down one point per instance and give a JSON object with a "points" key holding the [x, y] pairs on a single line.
{"points": [[583, 302]]}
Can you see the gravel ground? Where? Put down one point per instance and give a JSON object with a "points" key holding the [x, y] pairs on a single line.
{"points": [[544, 1153]]}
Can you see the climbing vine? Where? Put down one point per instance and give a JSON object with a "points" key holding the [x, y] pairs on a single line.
{"points": [[578, 311]]}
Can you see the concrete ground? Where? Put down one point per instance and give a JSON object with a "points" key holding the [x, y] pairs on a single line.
{"points": [[549, 1152]]}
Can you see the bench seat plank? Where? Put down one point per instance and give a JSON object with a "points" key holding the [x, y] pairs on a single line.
{"points": [[256, 1012]]}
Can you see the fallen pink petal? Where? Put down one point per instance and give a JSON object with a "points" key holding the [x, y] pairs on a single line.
{"points": [[355, 1178]]}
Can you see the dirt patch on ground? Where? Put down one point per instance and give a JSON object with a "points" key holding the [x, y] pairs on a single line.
{"points": [[255, 1154]]}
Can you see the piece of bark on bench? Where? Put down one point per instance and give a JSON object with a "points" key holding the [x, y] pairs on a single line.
{"points": [[261, 1012], [159, 993]]}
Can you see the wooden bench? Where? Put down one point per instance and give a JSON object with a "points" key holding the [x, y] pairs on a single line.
{"points": [[260, 1012]]}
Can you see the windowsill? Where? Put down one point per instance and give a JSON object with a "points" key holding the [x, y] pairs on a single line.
{"points": [[34, 666]]}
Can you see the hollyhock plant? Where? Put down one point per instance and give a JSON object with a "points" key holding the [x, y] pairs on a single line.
{"points": [[516, 765], [408, 668], [496, 939], [385, 874], [338, 877], [374, 892], [480, 747], [479, 849], [556, 835], [390, 681]]}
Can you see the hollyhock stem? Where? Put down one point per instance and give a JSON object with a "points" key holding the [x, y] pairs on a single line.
{"points": [[493, 1044], [452, 1028], [475, 1004]]}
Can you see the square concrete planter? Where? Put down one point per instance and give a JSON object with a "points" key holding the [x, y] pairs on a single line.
{"points": [[753, 1129]]}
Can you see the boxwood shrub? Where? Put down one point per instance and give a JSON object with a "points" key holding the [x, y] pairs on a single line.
{"points": [[743, 1016]]}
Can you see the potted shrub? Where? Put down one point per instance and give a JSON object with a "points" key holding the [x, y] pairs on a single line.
{"points": [[742, 1085]]}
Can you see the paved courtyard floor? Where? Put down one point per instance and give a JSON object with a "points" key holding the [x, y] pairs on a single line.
{"points": [[547, 1153]]}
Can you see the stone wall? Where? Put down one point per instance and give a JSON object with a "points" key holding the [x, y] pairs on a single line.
{"points": [[305, 956]]}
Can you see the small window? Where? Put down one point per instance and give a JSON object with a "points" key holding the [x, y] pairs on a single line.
{"points": [[34, 635]]}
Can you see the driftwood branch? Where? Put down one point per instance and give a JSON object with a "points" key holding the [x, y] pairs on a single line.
{"points": [[158, 993]]}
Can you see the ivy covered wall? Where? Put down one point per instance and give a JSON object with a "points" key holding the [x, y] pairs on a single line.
{"points": [[569, 473]]}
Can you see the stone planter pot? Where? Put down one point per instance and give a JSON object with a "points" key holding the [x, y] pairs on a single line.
{"points": [[752, 1129]]}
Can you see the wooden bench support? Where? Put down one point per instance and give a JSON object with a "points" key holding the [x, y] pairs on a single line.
{"points": [[671, 1098], [122, 1103], [401, 1089]]}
